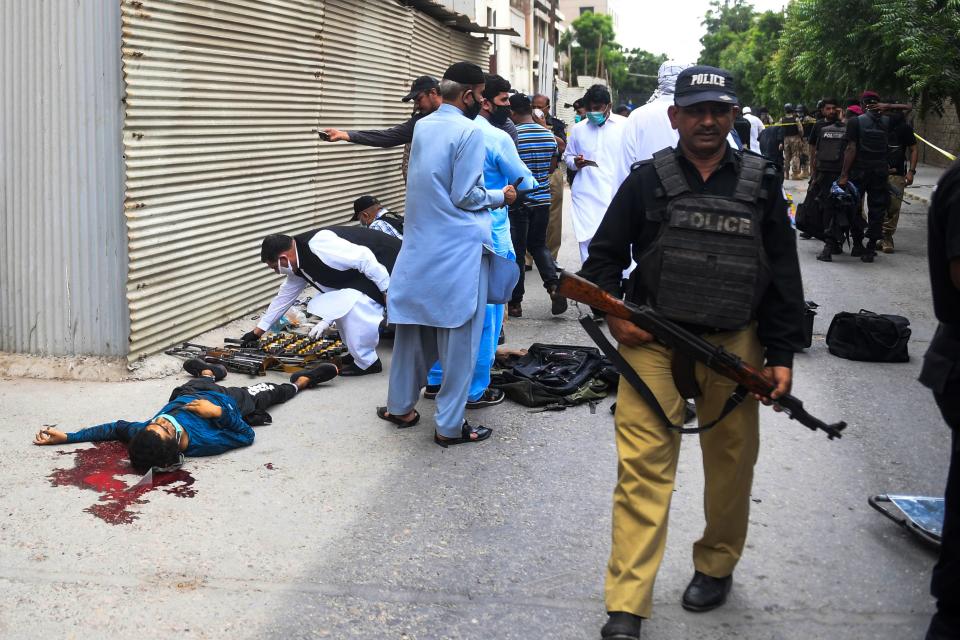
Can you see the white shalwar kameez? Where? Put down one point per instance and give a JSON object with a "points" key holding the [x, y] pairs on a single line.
{"points": [[594, 187]]}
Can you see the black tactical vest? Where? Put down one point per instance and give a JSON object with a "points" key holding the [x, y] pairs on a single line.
{"points": [[872, 145], [791, 126], [395, 220], [830, 147], [312, 268], [707, 266]]}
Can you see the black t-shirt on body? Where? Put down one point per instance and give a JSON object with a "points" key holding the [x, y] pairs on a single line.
{"points": [[943, 228], [815, 130], [901, 138]]}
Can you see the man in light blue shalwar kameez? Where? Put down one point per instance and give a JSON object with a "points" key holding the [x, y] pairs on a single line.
{"points": [[501, 166], [438, 290]]}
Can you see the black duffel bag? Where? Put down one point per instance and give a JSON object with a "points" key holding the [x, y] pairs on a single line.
{"points": [[869, 336], [811, 218]]}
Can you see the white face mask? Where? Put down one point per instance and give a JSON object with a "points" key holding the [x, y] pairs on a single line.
{"points": [[286, 270]]}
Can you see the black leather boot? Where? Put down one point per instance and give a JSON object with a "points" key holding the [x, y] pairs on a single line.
{"points": [[826, 255], [621, 626], [870, 252], [705, 593]]}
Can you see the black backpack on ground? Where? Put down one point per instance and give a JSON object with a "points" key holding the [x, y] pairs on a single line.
{"points": [[869, 336], [555, 375]]}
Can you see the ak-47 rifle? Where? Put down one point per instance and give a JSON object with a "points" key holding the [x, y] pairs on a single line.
{"points": [[693, 346]]}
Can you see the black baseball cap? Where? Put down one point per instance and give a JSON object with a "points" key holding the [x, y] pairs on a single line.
{"points": [[421, 85], [362, 203], [520, 101], [704, 84]]}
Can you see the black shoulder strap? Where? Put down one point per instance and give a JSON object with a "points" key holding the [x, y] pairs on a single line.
{"points": [[629, 374], [395, 220], [750, 179], [669, 172]]}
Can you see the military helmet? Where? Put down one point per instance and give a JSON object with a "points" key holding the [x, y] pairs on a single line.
{"points": [[845, 197], [800, 108], [788, 107]]}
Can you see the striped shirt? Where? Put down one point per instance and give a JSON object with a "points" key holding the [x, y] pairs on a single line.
{"points": [[385, 227], [537, 149]]}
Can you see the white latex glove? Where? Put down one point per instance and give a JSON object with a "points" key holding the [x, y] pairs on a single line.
{"points": [[319, 328]]}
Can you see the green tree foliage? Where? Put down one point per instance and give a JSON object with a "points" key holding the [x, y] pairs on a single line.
{"points": [[834, 47], [595, 52], [725, 21], [904, 48], [592, 45], [641, 73], [927, 38], [743, 42]]}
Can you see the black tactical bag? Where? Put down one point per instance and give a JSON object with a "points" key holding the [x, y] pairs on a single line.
{"points": [[551, 374], [811, 218], [869, 336]]}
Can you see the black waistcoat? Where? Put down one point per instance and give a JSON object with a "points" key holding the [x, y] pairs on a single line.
{"points": [[315, 271]]}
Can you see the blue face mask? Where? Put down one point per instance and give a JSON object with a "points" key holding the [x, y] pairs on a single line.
{"points": [[577, 118], [597, 117]]}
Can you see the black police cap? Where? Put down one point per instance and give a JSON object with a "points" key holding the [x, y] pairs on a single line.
{"points": [[703, 83]]}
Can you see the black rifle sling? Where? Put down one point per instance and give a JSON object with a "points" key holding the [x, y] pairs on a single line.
{"points": [[630, 375]]}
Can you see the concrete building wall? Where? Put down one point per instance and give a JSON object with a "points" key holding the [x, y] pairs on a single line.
{"points": [[943, 131]]}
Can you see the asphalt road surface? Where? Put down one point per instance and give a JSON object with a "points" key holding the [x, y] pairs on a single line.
{"points": [[334, 524]]}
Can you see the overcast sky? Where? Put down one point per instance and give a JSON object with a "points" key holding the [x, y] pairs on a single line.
{"points": [[669, 26]]}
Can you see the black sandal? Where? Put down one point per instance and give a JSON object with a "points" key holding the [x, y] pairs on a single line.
{"points": [[466, 431], [400, 422]]}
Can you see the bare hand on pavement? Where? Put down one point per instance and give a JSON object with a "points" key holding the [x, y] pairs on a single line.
{"points": [[49, 435]]}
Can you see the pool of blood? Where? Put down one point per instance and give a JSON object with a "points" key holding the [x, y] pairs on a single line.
{"points": [[105, 468]]}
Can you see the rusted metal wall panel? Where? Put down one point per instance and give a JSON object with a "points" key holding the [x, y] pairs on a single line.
{"points": [[62, 240]]}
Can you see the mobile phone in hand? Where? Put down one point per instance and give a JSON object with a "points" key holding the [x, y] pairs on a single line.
{"points": [[590, 163], [324, 135]]}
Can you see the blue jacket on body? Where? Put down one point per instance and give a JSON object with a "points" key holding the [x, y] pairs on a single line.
{"points": [[208, 436]]}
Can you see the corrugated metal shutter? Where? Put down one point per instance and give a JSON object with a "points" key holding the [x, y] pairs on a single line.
{"points": [[463, 46], [366, 71], [430, 53], [435, 47], [222, 102]]}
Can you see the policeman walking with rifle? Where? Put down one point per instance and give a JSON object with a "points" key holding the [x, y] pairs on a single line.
{"points": [[717, 259]]}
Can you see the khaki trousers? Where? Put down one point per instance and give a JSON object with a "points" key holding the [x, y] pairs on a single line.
{"points": [[792, 148], [892, 217], [555, 225], [648, 455]]}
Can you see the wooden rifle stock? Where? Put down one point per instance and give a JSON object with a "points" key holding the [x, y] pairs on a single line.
{"points": [[675, 337]]}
